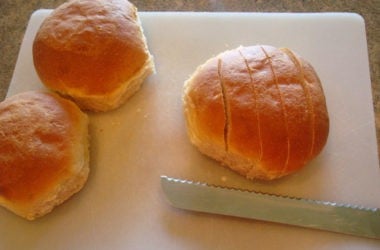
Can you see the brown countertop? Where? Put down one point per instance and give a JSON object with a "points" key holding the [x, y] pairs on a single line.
{"points": [[14, 16]]}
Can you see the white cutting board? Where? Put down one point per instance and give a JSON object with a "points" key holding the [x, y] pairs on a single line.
{"points": [[122, 205]]}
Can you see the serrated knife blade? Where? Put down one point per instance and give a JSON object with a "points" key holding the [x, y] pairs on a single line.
{"points": [[323, 215]]}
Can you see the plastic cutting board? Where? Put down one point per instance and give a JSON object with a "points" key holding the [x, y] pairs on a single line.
{"points": [[122, 205]]}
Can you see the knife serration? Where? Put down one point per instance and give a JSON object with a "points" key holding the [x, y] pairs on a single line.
{"points": [[324, 215]]}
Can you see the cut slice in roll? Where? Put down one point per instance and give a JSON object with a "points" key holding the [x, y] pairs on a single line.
{"points": [[259, 110]]}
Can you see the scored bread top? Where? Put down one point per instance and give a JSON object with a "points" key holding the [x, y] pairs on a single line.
{"points": [[271, 106], [90, 47]]}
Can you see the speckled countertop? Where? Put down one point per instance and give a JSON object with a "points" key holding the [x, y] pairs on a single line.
{"points": [[14, 16]]}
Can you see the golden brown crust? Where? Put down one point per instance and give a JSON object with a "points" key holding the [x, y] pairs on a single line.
{"points": [[321, 119], [270, 110], [275, 117], [203, 100], [89, 49], [303, 119], [296, 108], [44, 142], [241, 107]]}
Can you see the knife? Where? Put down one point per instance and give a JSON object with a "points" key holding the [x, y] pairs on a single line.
{"points": [[323, 215]]}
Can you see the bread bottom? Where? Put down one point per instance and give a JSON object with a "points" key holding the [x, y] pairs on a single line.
{"points": [[238, 163], [106, 102], [62, 192]]}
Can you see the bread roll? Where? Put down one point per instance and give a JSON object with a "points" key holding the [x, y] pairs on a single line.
{"points": [[44, 156], [93, 51], [259, 110]]}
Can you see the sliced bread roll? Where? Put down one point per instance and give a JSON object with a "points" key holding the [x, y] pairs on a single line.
{"points": [[44, 155], [259, 110]]}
